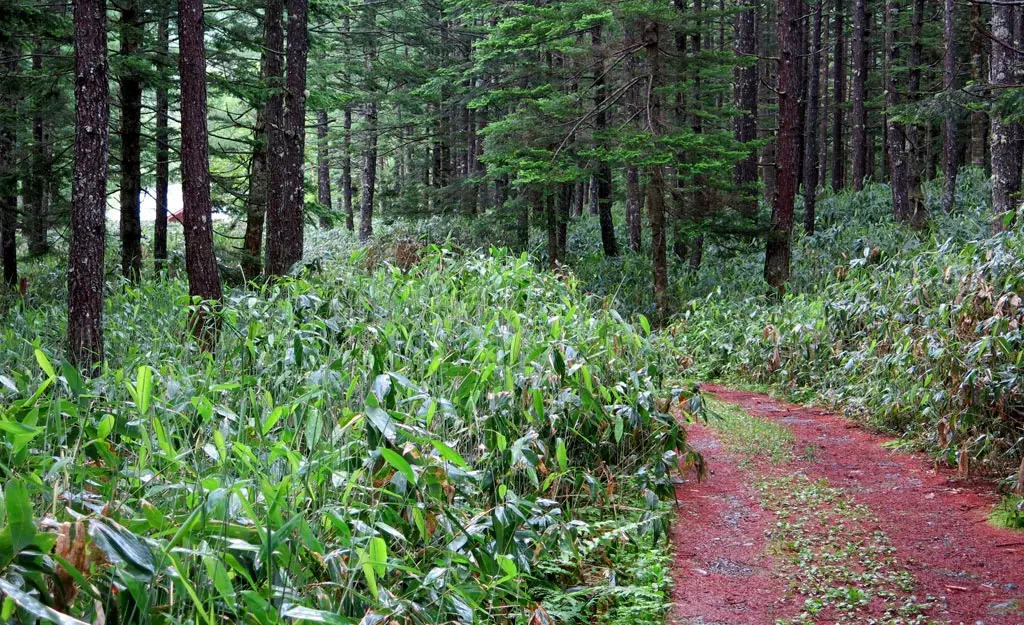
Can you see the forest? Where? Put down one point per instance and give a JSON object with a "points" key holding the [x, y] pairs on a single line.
{"points": [[545, 312]]}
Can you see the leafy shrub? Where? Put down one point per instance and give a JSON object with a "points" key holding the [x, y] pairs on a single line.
{"points": [[459, 439]]}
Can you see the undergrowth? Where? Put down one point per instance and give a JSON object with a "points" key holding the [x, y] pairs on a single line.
{"points": [[456, 438]]}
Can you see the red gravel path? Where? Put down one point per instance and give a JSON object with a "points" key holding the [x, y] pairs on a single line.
{"points": [[937, 524]]}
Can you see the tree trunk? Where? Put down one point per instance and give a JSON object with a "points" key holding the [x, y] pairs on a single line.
{"points": [[346, 171], [777, 251], [1006, 163], [200, 262], [323, 167], [163, 155], [551, 223], [604, 170], [369, 174], [273, 111], [256, 205], [36, 203], [651, 39], [8, 174], [811, 125], [89, 186], [915, 150], [131, 136], [895, 136], [839, 96], [949, 151], [634, 208], [745, 97], [859, 138], [979, 125], [284, 219]]}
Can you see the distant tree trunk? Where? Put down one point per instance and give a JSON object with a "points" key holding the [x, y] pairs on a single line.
{"points": [[89, 186], [1006, 162], [8, 174], [200, 262], [36, 192], [915, 150], [979, 125], [369, 173], [895, 137], [859, 138], [777, 252], [273, 112], [131, 148], [323, 166], [839, 88], [256, 206], [745, 97], [529, 200], [163, 155], [634, 208], [346, 171], [811, 125], [284, 220], [604, 170], [949, 150], [551, 223], [651, 40]]}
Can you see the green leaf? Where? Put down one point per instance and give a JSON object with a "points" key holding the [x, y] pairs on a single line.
{"points": [[35, 607], [105, 426], [449, 454], [563, 457], [382, 422], [310, 615], [123, 547], [44, 364], [619, 427], [399, 463], [19, 515], [378, 555], [143, 388], [645, 324]]}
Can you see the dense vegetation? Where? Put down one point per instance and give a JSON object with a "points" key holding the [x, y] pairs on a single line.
{"points": [[464, 441], [439, 378]]}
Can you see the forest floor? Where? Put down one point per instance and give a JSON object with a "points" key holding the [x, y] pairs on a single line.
{"points": [[804, 517]]}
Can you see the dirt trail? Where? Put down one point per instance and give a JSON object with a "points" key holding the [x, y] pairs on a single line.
{"points": [[937, 526]]}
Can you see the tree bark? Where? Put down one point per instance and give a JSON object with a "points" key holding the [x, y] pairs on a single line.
{"points": [[200, 261], [949, 151], [777, 252], [979, 124], [634, 208], [745, 97], [284, 219], [651, 39], [369, 173], [859, 138], [915, 150], [895, 136], [323, 167], [1006, 162], [839, 97], [346, 170], [163, 155], [131, 147], [36, 192], [276, 141], [811, 125], [604, 170], [256, 205], [89, 192], [8, 174]]}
